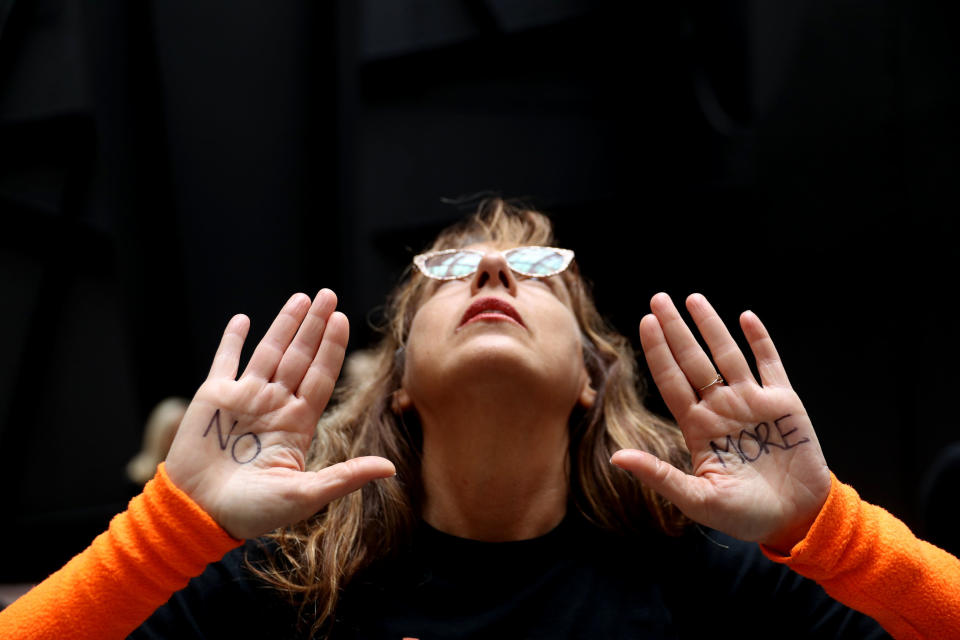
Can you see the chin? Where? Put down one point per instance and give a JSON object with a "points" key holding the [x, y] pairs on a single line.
{"points": [[496, 362], [491, 360], [500, 354]]}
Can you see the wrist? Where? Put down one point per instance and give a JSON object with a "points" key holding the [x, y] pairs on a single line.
{"points": [[783, 541]]}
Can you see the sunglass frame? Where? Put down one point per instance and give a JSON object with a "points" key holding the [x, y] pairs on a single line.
{"points": [[420, 260]]}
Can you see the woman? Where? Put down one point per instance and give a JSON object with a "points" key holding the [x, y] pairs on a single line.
{"points": [[481, 429]]}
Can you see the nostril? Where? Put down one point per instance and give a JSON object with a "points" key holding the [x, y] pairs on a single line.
{"points": [[503, 280], [484, 276]]}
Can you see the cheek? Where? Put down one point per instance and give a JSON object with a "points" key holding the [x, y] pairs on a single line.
{"points": [[561, 340], [422, 346], [427, 321]]}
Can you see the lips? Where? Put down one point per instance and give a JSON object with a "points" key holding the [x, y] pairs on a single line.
{"points": [[493, 309]]}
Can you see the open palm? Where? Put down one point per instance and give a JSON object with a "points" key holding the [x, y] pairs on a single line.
{"points": [[241, 448], [758, 472]]}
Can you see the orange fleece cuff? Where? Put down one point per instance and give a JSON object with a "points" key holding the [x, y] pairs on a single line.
{"points": [[169, 533]]}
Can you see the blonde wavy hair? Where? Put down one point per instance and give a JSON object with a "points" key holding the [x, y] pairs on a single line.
{"points": [[313, 560]]}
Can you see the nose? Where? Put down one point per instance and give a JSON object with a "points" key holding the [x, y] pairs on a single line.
{"points": [[493, 271]]}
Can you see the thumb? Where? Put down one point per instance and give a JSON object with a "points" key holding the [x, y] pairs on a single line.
{"points": [[673, 484], [342, 478]]}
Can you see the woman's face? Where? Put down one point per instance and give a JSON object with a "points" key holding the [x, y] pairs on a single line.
{"points": [[495, 328]]}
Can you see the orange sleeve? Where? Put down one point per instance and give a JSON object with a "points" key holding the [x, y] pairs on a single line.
{"points": [[870, 561], [149, 551]]}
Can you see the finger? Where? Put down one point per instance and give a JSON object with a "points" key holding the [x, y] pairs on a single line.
{"points": [[695, 364], [769, 364], [726, 354], [676, 486], [667, 375], [340, 479], [301, 352], [227, 359], [263, 362], [317, 384]]}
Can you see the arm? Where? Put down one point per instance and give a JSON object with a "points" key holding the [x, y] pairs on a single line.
{"points": [[235, 470], [126, 573], [868, 559], [758, 472], [721, 582]]}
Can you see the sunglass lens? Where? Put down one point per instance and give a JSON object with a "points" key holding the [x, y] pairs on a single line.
{"points": [[536, 261], [451, 265]]}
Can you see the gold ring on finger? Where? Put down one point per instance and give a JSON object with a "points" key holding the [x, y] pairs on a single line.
{"points": [[717, 380]]}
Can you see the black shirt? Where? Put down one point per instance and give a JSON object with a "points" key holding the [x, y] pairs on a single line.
{"points": [[574, 582]]}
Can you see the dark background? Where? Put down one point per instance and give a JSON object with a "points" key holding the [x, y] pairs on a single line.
{"points": [[164, 165]]}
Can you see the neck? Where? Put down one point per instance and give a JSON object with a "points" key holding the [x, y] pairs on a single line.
{"points": [[494, 470]]}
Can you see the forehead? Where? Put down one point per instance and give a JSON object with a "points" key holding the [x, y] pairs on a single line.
{"points": [[484, 247]]}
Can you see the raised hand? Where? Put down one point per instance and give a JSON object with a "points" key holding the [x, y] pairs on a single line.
{"points": [[240, 450], [758, 470]]}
